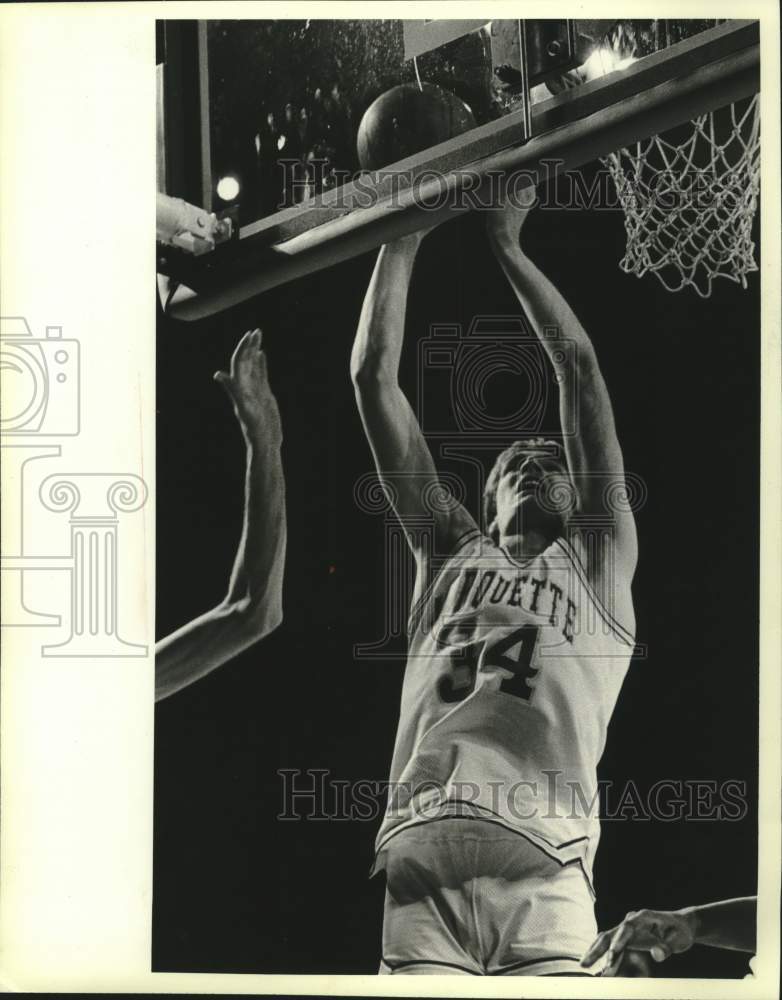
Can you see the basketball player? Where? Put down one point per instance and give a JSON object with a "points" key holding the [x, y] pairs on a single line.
{"points": [[252, 607], [729, 924], [515, 661]]}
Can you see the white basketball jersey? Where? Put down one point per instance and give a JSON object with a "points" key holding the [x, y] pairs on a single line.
{"points": [[514, 668]]}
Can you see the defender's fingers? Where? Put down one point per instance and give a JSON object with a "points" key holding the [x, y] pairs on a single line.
{"points": [[224, 379], [249, 352], [251, 341], [616, 946], [245, 344], [660, 952], [622, 936], [613, 962], [598, 947]]}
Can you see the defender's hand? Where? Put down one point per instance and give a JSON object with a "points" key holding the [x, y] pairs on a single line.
{"points": [[661, 933], [248, 388]]}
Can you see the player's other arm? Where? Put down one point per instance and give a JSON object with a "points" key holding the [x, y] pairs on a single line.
{"points": [[593, 453], [401, 454], [253, 605], [731, 924]]}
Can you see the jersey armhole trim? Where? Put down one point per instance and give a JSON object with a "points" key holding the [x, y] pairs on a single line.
{"points": [[416, 611], [624, 635]]}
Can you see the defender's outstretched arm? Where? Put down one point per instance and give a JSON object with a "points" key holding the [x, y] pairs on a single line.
{"points": [[593, 453], [394, 435], [253, 605], [731, 924]]}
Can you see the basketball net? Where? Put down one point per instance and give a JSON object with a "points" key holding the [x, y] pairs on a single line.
{"points": [[689, 206]]}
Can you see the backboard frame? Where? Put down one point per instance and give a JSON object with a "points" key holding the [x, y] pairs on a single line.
{"points": [[659, 91]]}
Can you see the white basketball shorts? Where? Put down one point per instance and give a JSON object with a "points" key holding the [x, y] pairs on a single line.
{"points": [[465, 896]]}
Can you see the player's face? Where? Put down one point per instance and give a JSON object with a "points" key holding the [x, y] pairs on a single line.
{"points": [[526, 481]]}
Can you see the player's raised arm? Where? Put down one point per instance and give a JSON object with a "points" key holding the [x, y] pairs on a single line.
{"points": [[593, 453], [253, 605], [400, 451]]}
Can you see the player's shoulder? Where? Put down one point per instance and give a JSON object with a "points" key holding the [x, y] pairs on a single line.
{"points": [[454, 529], [467, 542], [435, 570]]}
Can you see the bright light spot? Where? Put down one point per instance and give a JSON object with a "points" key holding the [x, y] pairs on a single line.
{"points": [[281, 142], [227, 188], [604, 61]]}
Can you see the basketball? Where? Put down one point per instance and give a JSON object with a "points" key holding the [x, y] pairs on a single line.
{"points": [[407, 119]]}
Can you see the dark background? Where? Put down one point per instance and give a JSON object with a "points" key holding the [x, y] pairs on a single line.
{"points": [[236, 890]]}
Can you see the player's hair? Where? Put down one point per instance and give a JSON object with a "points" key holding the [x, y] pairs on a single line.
{"points": [[529, 445]]}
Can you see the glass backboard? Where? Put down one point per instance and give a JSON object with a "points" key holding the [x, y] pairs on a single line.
{"points": [[286, 98], [265, 123]]}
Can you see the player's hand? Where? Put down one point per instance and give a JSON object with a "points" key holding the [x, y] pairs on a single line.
{"points": [[662, 933], [412, 241], [247, 385], [506, 217]]}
